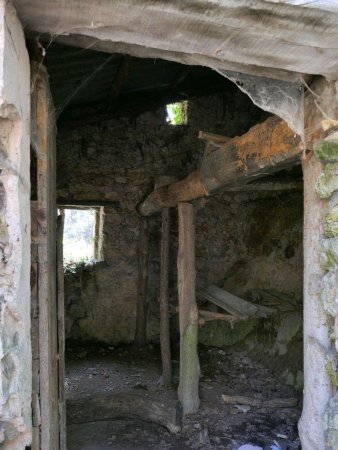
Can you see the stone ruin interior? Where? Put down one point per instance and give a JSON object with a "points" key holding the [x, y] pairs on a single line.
{"points": [[168, 224], [115, 144]]}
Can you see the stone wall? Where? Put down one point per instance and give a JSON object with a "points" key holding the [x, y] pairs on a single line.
{"points": [[15, 349], [118, 162], [244, 241]]}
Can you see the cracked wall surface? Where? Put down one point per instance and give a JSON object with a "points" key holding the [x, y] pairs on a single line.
{"points": [[15, 349], [327, 153], [318, 426]]}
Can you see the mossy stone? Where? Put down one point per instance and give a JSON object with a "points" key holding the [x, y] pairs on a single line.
{"points": [[219, 334], [331, 423], [331, 223], [329, 296], [329, 255], [327, 182], [326, 151]]}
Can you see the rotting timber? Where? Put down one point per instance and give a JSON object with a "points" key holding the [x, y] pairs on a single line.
{"points": [[264, 149]]}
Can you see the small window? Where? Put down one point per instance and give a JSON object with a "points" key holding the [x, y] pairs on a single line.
{"points": [[177, 113], [82, 235]]}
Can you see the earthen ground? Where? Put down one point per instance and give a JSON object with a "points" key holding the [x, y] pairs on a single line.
{"points": [[97, 370]]}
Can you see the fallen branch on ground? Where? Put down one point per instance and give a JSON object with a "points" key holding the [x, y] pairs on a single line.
{"points": [[273, 403]]}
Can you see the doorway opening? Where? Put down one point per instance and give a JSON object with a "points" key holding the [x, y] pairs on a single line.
{"points": [[114, 146]]}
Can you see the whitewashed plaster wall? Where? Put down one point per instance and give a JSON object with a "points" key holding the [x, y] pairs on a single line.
{"points": [[15, 344]]}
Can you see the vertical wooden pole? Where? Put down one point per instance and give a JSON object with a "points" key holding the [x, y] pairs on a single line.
{"points": [[142, 285], [97, 233], [164, 298], [43, 132], [61, 330], [36, 415], [188, 312]]}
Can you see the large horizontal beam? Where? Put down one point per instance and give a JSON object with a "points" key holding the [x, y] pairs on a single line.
{"points": [[263, 150], [271, 39]]}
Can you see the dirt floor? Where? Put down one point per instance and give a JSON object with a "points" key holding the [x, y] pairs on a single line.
{"points": [[95, 375]]}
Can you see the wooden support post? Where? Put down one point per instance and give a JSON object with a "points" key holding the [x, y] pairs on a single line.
{"points": [[142, 284], [188, 312], [61, 329], [36, 414], [43, 132], [164, 298]]}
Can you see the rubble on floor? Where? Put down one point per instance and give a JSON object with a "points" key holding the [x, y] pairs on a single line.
{"points": [[94, 371]]}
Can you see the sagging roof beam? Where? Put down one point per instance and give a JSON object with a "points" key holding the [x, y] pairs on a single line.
{"points": [[263, 150]]}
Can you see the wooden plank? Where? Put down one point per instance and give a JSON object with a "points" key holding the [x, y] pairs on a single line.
{"points": [[164, 298], [61, 330], [263, 150], [188, 312], [36, 410], [121, 76], [98, 233], [142, 282], [216, 139], [233, 304], [206, 316], [268, 186], [43, 133], [81, 204], [259, 403], [182, 75]]}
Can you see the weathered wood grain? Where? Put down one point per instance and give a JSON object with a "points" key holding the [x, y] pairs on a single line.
{"points": [[188, 312], [233, 304], [259, 403], [263, 150], [142, 282], [271, 39], [43, 133], [164, 298]]}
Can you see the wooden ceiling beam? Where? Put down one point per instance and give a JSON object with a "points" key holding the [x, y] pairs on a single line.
{"points": [[263, 150], [121, 76], [182, 75], [214, 139], [270, 39]]}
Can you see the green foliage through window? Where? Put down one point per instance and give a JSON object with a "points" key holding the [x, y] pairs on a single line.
{"points": [[177, 113], [78, 236]]}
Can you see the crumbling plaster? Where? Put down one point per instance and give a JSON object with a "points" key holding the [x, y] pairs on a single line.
{"points": [[15, 349]]}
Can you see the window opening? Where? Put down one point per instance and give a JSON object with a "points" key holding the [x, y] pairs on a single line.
{"points": [[177, 113], [82, 235]]}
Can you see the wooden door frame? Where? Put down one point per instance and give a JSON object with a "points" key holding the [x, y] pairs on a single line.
{"points": [[47, 330]]}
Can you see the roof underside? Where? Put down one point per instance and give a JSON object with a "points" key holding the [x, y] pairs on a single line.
{"points": [[87, 83]]}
